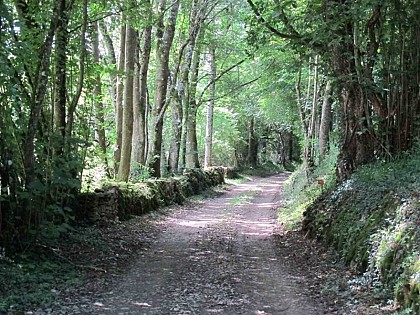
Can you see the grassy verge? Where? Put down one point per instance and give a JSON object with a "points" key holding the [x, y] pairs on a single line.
{"points": [[303, 188]]}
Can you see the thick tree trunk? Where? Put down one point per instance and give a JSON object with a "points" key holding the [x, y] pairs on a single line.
{"points": [[191, 157], [210, 106], [127, 132], [175, 147], [357, 145], [119, 97], [140, 103], [164, 44], [191, 153], [357, 134]]}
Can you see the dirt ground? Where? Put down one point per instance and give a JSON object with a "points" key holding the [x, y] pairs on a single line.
{"points": [[223, 255]]}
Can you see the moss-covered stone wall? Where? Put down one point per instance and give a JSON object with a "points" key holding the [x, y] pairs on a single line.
{"points": [[120, 201]]}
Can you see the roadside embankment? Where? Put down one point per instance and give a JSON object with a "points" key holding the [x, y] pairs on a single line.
{"points": [[373, 222]]}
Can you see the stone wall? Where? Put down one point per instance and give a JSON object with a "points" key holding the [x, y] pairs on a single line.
{"points": [[123, 200]]}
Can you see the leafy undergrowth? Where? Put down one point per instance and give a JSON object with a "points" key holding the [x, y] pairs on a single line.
{"points": [[373, 222], [55, 268], [34, 278], [303, 187]]}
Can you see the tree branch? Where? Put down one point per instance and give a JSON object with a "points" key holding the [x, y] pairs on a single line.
{"points": [[264, 22], [217, 79], [230, 92]]}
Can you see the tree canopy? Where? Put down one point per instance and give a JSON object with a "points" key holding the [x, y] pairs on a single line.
{"points": [[126, 90]]}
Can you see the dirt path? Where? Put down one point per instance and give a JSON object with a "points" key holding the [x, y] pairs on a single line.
{"points": [[220, 257]]}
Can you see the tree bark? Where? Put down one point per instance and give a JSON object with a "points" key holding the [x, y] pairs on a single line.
{"points": [[127, 130], [210, 106], [40, 80], [111, 59], [191, 152], [60, 100], [120, 96], [325, 124], [314, 115], [97, 95], [140, 103], [80, 80], [164, 43], [197, 17], [175, 147]]}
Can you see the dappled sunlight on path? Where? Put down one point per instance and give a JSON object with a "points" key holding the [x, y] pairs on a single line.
{"points": [[216, 257]]}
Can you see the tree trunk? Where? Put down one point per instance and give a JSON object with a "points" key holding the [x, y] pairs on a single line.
{"points": [[127, 131], [191, 157], [164, 43], [60, 100], [357, 144], [210, 106], [197, 17], [314, 116], [175, 147], [99, 106], [325, 125], [191, 153], [140, 103], [37, 98], [80, 80], [111, 58], [119, 97]]}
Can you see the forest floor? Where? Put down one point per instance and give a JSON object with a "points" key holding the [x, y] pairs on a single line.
{"points": [[226, 254]]}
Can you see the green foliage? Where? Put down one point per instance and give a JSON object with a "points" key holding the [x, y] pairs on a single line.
{"points": [[372, 220], [302, 188], [34, 278], [139, 172], [226, 136]]}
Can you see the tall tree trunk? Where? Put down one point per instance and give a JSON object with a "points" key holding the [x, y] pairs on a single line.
{"points": [[164, 44], [314, 116], [140, 103], [210, 106], [99, 106], [175, 147], [60, 77], [127, 131], [80, 80], [40, 80], [325, 125], [357, 143], [191, 154], [111, 59], [196, 18], [120, 96]]}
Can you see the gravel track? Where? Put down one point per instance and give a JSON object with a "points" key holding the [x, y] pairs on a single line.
{"points": [[220, 256]]}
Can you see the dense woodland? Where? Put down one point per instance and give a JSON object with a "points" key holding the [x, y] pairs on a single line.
{"points": [[126, 90]]}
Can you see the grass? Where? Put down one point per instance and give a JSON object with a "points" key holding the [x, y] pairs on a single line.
{"points": [[301, 190], [243, 198]]}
